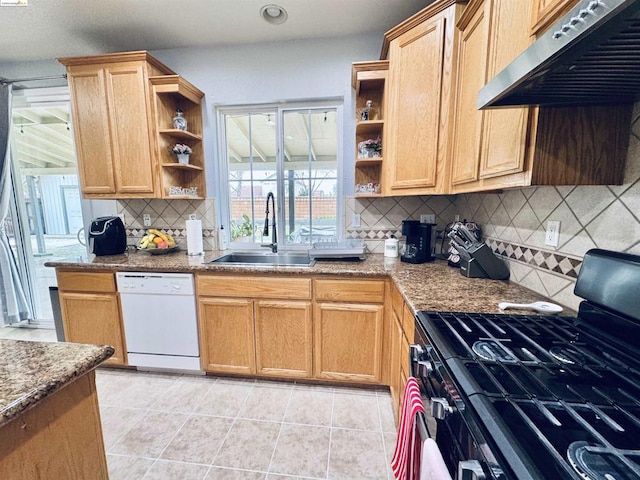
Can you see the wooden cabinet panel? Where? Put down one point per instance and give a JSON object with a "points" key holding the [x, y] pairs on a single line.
{"points": [[86, 281], [227, 335], [408, 322], [356, 290], [128, 100], [348, 341], [94, 318], [547, 12], [60, 437], [254, 287], [396, 301], [415, 97], [394, 381], [284, 338], [504, 138], [92, 132], [472, 60]]}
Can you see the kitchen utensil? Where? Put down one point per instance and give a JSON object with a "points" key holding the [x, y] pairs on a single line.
{"points": [[540, 307]]}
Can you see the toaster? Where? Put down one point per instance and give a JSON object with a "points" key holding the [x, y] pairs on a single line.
{"points": [[107, 236]]}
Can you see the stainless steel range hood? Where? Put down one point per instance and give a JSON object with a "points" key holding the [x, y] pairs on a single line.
{"points": [[590, 57]]}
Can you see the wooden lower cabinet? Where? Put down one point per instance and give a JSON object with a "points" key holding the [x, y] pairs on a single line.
{"points": [[227, 335], [91, 311], [395, 341], [348, 341], [60, 437], [283, 338]]}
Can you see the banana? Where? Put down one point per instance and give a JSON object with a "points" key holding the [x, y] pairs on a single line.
{"points": [[171, 241], [158, 233]]}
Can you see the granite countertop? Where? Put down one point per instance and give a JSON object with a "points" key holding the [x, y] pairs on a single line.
{"points": [[31, 371], [427, 286]]}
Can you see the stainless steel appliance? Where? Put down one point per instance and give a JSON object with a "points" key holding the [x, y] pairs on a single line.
{"points": [[590, 56], [420, 238], [159, 316], [519, 397], [107, 236]]}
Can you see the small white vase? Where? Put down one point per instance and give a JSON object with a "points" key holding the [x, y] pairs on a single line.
{"points": [[183, 158]]}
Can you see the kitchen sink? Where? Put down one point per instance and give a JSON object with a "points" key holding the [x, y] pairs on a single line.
{"points": [[275, 259]]}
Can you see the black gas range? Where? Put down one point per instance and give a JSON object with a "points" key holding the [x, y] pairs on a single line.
{"points": [[520, 397]]}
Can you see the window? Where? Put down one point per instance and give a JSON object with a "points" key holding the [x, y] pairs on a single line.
{"points": [[291, 151]]}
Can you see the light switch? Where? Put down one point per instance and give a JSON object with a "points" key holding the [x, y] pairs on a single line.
{"points": [[355, 220]]}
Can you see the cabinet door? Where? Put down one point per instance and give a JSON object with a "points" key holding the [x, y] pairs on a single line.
{"points": [[226, 335], [412, 132], [284, 338], [472, 60], [91, 130], [504, 138], [547, 12], [348, 341], [129, 115], [94, 318]]}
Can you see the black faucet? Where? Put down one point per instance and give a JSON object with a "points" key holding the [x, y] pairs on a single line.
{"points": [[265, 232]]}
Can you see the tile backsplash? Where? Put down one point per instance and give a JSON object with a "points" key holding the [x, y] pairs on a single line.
{"points": [[514, 223], [169, 216]]}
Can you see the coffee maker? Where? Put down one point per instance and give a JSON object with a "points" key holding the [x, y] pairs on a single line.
{"points": [[419, 239]]}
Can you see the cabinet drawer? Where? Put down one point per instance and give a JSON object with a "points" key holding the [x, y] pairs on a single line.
{"points": [[254, 287], [370, 291], [87, 281]]}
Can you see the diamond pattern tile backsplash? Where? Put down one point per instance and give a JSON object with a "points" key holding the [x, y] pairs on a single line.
{"points": [[514, 223], [169, 216]]}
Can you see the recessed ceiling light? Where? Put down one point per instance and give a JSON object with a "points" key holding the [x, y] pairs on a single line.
{"points": [[273, 14]]}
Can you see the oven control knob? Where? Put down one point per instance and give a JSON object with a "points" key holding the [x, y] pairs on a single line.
{"points": [[470, 470], [440, 408]]}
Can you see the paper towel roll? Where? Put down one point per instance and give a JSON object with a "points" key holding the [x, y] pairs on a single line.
{"points": [[194, 237]]}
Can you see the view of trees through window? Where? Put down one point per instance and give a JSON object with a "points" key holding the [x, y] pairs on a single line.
{"points": [[291, 153]]}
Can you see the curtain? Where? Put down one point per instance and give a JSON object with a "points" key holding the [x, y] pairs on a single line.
{"points": [[13, 302]]}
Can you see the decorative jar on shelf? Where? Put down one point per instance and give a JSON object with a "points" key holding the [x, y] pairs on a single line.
{"points": [[183, 158], [179, 122]]}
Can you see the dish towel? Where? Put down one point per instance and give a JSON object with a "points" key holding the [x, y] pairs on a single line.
{"points": [[432, 466], [406, 457]]}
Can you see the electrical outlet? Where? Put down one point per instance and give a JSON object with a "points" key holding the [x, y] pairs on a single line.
{"points": [[121, 215], [355, 220], [456, 218], [146, 220], [427, 218], [552, 237], [192, 216]]}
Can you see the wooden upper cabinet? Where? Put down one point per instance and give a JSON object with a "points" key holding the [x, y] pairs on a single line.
{"points": [[122, 106], [130, 125], [524, 146], [92, 131], [421, 54], [547, 12], [472, 61]]}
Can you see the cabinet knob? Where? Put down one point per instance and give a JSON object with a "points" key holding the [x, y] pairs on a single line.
{"points": [[440, 408]]}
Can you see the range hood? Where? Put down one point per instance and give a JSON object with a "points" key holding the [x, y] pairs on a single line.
{"points": [[590, 57]]}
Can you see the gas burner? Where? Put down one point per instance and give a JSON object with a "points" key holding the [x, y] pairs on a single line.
{"points": [[494, 351], [567, 355], [595, 462]]}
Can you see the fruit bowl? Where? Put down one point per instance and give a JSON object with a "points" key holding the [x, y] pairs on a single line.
{"points": [[158, 251]]}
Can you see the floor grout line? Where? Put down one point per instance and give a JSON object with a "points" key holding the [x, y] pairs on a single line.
{"points": [[284, 415], [333, 402]]}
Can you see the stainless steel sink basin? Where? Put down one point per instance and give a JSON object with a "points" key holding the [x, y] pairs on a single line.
{"points": [[274, 259]]}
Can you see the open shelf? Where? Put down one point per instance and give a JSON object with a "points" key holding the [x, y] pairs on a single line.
{"points": [[368, 161], [182, 165], [180, 134]]}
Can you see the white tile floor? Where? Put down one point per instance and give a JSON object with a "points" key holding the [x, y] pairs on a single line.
{"points": [[163, 426], [182, 427]]}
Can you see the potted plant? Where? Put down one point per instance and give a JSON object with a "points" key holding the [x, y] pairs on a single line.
{"points": [[370, 148], [183, 152]]}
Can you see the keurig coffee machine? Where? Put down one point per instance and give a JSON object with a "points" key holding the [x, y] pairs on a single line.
{"points": [[419, 239]]}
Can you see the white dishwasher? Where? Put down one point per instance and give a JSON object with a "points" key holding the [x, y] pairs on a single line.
{"points": [[159, 316]]}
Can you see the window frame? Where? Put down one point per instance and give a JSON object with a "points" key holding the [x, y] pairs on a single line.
{"points": [[280, 108]]}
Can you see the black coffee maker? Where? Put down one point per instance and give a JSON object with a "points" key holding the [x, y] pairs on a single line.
{"points": [[108, 236], [419, 239]]}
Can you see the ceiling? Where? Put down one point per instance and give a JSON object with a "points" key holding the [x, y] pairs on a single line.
{"points": [[46, 29]]}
